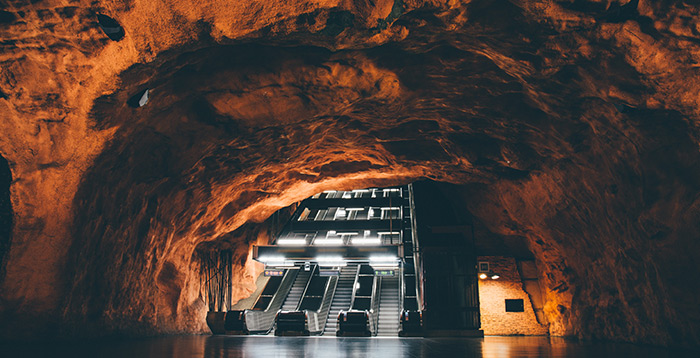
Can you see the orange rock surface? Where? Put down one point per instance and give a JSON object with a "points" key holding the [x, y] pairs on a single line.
{"points": [[571, 123]]}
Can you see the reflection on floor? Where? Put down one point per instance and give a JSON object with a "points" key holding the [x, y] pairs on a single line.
{"points": [[251, 346]]}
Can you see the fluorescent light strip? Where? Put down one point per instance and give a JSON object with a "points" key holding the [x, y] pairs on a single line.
{"points": [[331, 261], [291, 242], [271, 258], [384, 260], [275, 261]]}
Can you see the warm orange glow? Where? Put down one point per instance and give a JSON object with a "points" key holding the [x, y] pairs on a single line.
{"points": [[108, 199], [507, 284]]}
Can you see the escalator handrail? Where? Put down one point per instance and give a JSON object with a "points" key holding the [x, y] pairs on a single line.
{"points": [[282, 291], [277, 300], [306, 287], [374, 312], [326, 293], [322, 311], [354, 286], [402, 288], [357, 270]]}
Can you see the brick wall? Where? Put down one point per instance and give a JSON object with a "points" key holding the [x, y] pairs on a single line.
{"points": [[492, 295]]}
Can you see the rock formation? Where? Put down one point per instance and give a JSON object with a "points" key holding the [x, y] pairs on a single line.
{"points": [[572, 123]]}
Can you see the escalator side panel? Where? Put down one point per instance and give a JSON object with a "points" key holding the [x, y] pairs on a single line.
{"points": [[260, 322]]}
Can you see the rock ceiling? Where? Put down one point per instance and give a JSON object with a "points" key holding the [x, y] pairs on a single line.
{"points": [[573, 124]]}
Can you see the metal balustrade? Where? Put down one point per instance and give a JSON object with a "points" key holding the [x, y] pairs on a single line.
{"points": [[261, 322]]}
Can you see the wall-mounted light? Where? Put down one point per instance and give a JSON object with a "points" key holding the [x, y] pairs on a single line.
{"points": [[490, 274]]}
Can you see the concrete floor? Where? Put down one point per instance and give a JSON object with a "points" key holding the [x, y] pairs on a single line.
{"points": [[328, 347]]}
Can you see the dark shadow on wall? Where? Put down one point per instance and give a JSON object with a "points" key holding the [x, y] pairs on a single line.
{"points": [[5, 213]]}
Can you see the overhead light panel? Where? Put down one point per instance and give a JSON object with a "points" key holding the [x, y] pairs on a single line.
{"points": [[291, 242], [275, 261], [331, 261], [383, 261]]}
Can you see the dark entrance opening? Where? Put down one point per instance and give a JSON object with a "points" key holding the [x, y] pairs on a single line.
{"points": [[5, 213], [451, 294]]}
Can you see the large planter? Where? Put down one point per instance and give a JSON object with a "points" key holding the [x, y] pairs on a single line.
{"points": [[216, 321]]}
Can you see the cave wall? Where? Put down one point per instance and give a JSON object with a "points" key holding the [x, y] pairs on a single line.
{"points": [[606, 241], [571, 123], [5, 213]]}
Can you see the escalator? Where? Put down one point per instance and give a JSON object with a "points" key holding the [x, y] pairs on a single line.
{"points": [[289, 319], [342, 297], [388, 324], [358, 321], [317, 302], [260, 319], [292, 301]]}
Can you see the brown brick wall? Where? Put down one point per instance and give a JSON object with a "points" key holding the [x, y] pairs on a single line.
{"points": [[492, 295]]}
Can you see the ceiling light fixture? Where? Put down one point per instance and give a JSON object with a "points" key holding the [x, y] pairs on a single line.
{"points": [[291, 242]]}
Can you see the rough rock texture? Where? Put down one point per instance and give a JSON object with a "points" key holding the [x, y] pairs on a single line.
{"points": [[571, 123]]}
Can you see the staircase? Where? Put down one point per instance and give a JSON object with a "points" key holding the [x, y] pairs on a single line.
{"points": [[388, 324], [342, 297], [292, 301]]}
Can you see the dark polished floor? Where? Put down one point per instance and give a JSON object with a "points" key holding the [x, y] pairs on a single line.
{"points": [[232, 346]]}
